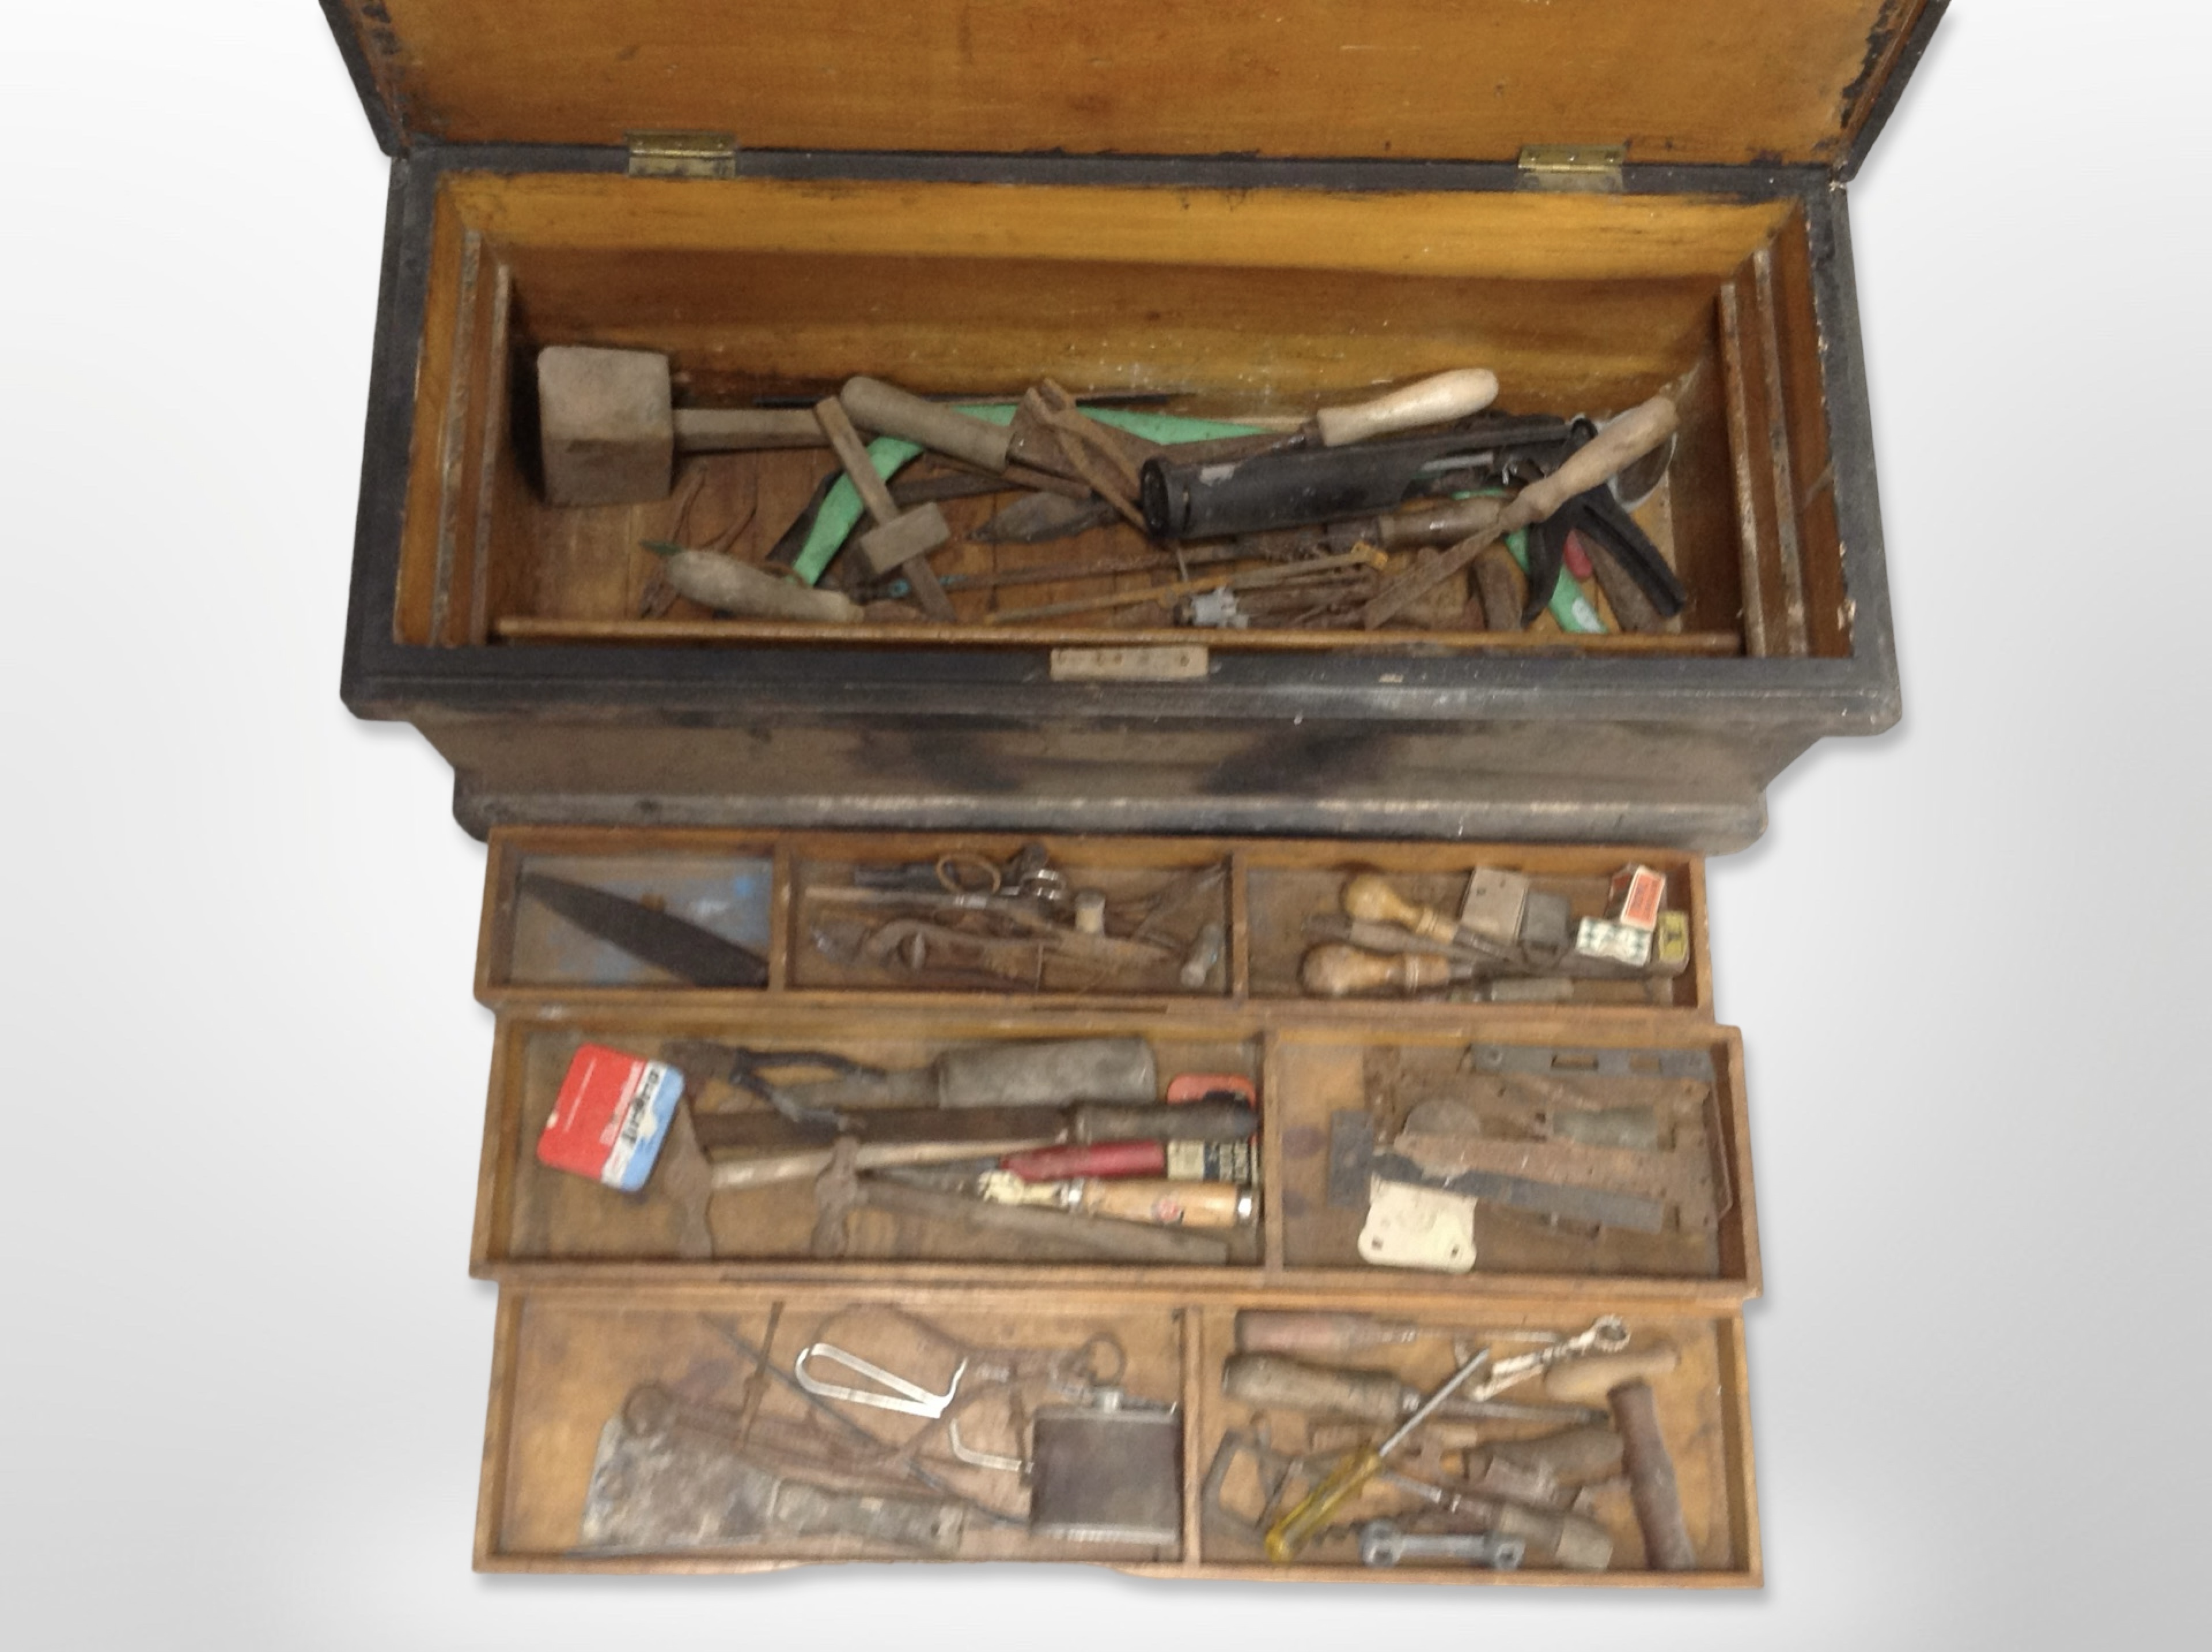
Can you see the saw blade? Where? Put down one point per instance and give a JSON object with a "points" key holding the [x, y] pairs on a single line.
{"points": [[666, 942]]}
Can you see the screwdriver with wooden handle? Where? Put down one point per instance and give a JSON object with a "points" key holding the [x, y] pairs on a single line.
{"points": [[1135, 1199], [1620, 444], [1298, 1527]]}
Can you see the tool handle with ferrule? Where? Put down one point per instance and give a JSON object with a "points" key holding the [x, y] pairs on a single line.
{"points": [[890, 411], [1369, 898], [1437, 399], [1105, 1158], [1272, 1382], [1338, 971], [1290, 1331], [1129, 1241], [1167, 1204]]}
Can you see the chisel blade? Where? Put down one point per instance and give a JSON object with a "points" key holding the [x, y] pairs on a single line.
{"points": [[666, 942], [1034, 519]]}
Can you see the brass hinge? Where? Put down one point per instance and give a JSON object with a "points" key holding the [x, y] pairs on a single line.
{"points": [[682, 154], [1594, 166]]}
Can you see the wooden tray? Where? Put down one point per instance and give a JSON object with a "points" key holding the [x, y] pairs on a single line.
{"points": [[568, 1357]]}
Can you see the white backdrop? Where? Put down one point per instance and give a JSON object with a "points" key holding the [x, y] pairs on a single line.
{"points": [[242, 1367]]}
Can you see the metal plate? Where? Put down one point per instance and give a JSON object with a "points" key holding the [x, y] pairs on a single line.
{"points": [[1565, 1061], [1104, 1475]]}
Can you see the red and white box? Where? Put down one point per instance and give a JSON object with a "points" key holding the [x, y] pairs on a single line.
{"points": [[611, 1117], [1636, 896]]}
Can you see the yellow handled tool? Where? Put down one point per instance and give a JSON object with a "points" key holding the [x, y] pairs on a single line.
{"points": [[1297, 1528]]}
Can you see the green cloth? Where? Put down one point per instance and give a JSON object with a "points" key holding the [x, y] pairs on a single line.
{"points": [[842, 510]]}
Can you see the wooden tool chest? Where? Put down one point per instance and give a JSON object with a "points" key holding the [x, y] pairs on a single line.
{"points": [[1226, 216], [599, 1305], [1597, 200]]}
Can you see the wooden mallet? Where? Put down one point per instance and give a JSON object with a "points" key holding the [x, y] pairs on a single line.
{"points": [[899, 540], [609, 435]]}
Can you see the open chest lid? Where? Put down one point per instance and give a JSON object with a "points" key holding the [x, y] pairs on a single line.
{"points": [[1722, 82]]}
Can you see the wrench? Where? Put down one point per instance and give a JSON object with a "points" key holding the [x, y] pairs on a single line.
{"points": [[1385, 1543], [1606, 1334]]}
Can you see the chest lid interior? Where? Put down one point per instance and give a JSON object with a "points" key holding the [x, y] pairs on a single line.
{"points": [[1677, 81]]}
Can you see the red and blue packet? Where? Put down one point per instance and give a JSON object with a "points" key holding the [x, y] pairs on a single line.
{"points": [[611, 1117]]}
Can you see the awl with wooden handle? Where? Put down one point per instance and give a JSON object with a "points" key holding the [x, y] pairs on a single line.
{"points": [[1338, 971], [1128, 1241], [1369, 898], [1627, 439], [1149, 1200]]}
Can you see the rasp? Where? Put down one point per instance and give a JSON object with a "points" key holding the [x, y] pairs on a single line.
{"points": [[675, 945]]}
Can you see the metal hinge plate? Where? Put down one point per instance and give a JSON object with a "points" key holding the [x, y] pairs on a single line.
{"points": [[682, 154], [1594, 166]]}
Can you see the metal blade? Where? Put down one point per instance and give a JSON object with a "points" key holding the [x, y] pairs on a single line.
{"points": [[1611, 1209], [761, 1131], [666, 942], [1035, 519]]}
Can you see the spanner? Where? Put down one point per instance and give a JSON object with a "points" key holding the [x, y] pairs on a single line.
{"points": [[1606, 1334], [1385, 1543]]}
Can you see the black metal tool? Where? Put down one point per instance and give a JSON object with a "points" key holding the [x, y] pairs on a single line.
{"points": [[1200, 500], [666, 942], [756, 1132]]}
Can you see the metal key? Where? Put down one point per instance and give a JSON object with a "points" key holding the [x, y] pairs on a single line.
{"points": [[1385, 1543]]}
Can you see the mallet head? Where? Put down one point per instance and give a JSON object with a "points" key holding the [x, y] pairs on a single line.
{"points": [[606, 433], [905, 536]]}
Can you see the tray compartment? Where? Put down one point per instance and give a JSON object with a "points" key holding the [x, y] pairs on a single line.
{"points": [[1160, 896], [1262, 892], [1257, 303], [529, 1213], [1288, 889], [568, 1365], [1317, 1077], [570, 1358], [728, 891], [1702, 1415]]}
